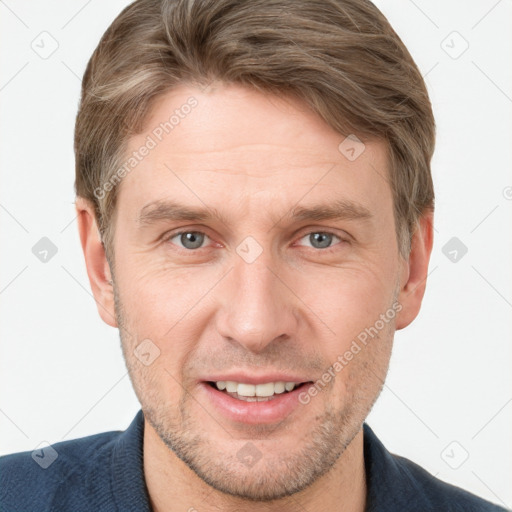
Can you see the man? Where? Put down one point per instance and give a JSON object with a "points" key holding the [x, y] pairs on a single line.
{"points": [[255, 207]]}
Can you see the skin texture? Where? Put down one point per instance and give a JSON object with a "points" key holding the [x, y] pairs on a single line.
{"points": [[296, 308]]}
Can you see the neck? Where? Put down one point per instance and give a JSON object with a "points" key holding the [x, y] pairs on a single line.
{"points": [[173, 486]]}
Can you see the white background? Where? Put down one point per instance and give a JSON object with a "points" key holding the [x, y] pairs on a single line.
{"points": [[62, 373]]}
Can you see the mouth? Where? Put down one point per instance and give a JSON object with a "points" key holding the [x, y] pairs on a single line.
{"points": [[256, 404], [264, 392]]}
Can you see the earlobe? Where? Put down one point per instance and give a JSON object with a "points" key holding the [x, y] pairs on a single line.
{"points": [[415, 271], [96, 261]]}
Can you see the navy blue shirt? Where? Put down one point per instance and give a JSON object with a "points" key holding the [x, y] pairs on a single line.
{"points": [[104, 472]]}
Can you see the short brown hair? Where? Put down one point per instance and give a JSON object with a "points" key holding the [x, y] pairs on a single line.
{"points": [[341, 57]]}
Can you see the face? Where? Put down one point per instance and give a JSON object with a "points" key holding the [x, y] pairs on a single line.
{"points": [[232, 265]]}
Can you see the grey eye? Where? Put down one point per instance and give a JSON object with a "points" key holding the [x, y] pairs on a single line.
{"points": [[320, 240], [190, 239]]}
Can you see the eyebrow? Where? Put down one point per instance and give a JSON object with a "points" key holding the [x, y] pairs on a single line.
{"points": [[341, 209], [167, 210], [172, 210]]}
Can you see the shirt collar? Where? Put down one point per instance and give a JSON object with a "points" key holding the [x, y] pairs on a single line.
{"points": [[128, 483]]}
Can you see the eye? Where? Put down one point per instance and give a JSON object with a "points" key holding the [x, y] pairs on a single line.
{"points": [[321, 239], [189, 240], [192, 240]]}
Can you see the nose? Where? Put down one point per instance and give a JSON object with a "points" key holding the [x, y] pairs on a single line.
{"points": [[256, 308]]}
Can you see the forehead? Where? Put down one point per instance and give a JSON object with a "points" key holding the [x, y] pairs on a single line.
{"points": [[231, 147]]}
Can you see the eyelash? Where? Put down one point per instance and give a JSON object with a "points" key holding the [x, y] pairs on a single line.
{"points": [[168, 237]]}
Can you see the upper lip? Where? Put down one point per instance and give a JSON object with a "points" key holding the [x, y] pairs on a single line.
{"points": [[256, 379]]}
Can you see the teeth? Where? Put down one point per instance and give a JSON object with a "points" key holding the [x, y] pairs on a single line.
{"points": [[262, 389], [279, 387], [246, 389], [258, 390], [231, 386]]}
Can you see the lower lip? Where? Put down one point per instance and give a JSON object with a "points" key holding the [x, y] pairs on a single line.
{"points": [[241, 411]]}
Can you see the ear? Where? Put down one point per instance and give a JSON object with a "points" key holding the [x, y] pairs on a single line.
{"points": [[415, 271], [96, 262]]}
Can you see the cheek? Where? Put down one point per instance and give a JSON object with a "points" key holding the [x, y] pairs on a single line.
{"points": [[156, 295], [170, 308], [346, 300]]}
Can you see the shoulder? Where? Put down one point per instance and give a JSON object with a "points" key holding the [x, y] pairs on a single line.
{"points": [[396, 483], [34, 477], [439, 494]]}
